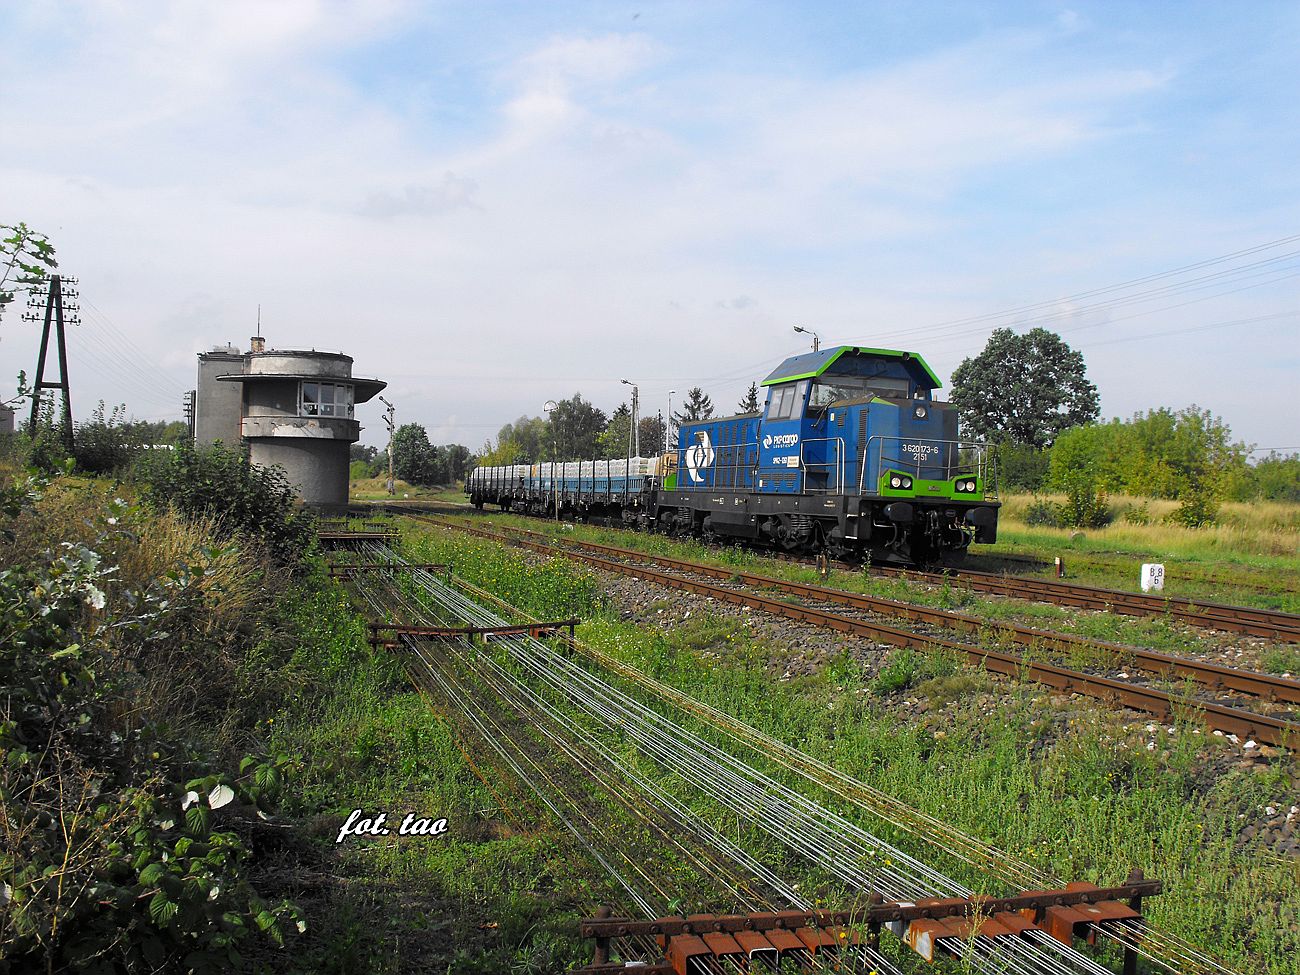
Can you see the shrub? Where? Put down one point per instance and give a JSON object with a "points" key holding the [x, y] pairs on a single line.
{"points": [[1042, 513], [907, 668], [1021, 467], [246, 500], [1084, 505], [1197, 506], [1137, 514], [119, 852]]}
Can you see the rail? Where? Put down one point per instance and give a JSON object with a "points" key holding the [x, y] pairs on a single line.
{"points": [[1247, 724]]}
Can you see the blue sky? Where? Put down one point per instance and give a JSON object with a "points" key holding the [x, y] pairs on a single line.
{"points": [[492, 205]]}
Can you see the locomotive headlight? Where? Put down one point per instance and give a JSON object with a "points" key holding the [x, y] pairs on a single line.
{"points": [[970, 485], [907, 482], [895, 481], [920, 412]]}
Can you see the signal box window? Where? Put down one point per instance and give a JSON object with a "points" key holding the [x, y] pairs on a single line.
{"points": [[326, 399]]}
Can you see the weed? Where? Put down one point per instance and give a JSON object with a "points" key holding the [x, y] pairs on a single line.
{"points": [[1281, 660], [907, 668]]}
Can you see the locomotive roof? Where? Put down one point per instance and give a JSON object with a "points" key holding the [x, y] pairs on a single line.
{"points": [[812, 364]]}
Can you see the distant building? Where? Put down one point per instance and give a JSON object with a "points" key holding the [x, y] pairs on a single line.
{"points": [[6, 419], [294, 409]]}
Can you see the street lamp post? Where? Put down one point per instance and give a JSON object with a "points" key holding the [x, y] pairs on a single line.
{"points": [[635, 438], [671, 392], [816, 338], [550, 408]]}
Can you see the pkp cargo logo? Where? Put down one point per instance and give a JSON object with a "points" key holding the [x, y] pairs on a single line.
{"points": [[699, 455]]}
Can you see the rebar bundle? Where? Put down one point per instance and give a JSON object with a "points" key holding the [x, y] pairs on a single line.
{"points": [[636, 784]]}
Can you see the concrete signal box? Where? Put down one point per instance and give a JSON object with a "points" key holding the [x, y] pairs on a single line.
{"points": [[294, 410]]}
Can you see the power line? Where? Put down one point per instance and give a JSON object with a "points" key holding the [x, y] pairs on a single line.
{"points": [[1022, 310]]}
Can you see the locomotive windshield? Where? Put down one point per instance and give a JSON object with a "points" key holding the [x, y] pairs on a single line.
{"points": [[829, 389]]}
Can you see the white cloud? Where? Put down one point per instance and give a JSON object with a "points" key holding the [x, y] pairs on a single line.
{"points": [[604, 199]]}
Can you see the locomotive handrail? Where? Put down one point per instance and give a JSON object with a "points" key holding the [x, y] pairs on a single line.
{"points": [[740, 465], [836, 465], [980, 466]]}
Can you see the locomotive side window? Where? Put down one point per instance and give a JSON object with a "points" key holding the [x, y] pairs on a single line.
{"points": [[787, 400]]}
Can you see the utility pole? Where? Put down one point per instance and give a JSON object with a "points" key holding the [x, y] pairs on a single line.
{"points": [[671, 425], [634, 435], [388, 420], [189, 410], [550, 408], [54, 314]]}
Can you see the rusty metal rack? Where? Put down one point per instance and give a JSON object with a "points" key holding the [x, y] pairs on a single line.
{"points": [[534, 630], [349, 569], [341, 524], [334, 539], [931, 928]]}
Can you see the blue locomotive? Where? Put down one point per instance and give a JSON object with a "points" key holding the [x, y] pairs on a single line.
{"points": [[851, 455]]}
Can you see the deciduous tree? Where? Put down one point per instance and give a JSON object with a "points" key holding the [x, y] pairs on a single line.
{"points": [[576, 426], [1024, 388], [414, 459], [26, 258]]}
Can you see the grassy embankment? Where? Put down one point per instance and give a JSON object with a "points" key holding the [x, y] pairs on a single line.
{"points": [[1079, 803], [376, 489], [1253, 547]]}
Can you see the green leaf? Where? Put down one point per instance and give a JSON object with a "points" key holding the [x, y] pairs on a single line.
{"points": [[161, 908]]}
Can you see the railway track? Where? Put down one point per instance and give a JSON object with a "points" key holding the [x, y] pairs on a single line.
{"points": [[1267, 623], [1035, 563], [1264, 623], [1230, 720]]}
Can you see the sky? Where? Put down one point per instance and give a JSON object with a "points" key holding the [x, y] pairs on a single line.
{"points": [[489, 205]]}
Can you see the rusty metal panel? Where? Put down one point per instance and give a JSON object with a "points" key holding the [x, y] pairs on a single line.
{"points": [[756, 947], [723, 945], [818, 940], [923, 935], [784, 941], [682, 949], [1061, 922]]}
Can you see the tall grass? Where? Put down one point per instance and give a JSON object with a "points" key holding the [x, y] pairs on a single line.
{"points": [[1244, 532]]}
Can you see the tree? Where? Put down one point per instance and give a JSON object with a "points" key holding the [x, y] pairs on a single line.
{"points": [[575, 427], [750, 403], [697, 407], [525, 441], [1024, 388], [414, 459], [453, 463], [26, 257], [498, 453], [613, 442], [651, 430]]}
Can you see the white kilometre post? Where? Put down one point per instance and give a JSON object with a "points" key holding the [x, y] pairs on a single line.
{"points": [[1153, 576]]}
